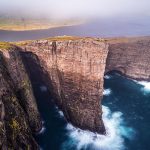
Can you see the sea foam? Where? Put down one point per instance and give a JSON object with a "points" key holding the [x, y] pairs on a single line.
{"points": [[107, 92], [42, 131], [113, 140], [43, 88], [107, 77], [145, 86]]}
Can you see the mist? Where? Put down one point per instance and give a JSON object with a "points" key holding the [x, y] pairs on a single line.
{"points": [[66, 9]]}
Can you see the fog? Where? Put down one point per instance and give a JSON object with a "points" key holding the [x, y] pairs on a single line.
{"points": [[60, 9]]}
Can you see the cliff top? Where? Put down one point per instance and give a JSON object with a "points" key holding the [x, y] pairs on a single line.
{"points": [[58, 38], [126, 39], [6, 46]]}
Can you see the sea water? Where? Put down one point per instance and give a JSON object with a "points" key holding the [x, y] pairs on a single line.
{"points": [[126, 115]]}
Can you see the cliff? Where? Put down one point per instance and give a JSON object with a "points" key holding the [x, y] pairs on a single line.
{"points": [[19, 116], [129, 56], [75, 67], [72, 69]]}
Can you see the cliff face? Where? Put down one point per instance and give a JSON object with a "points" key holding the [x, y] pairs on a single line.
{"points": [[19, 116], [75, 68], [130, 56]]}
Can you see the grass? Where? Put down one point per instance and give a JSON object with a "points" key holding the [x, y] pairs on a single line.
{"points": [[63, 38], [5, 45]]}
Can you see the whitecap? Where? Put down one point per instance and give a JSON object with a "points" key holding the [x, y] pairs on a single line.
{"points": [[43, 88], [145, 86], [43, 128], [61, 113], [107, 77], [113, 140], [107, 92]]}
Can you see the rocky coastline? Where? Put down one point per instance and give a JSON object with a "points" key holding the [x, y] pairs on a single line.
{"points": [[73, 70]]}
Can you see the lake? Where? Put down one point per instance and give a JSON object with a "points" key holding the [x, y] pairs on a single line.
{"points": [[111, 27]]}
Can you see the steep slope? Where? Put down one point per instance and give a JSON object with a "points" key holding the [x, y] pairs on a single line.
{"points": [[130, 56], [19, 116], [75, 67]]}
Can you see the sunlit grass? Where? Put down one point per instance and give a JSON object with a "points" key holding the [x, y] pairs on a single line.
{"points": [[5, 46]]}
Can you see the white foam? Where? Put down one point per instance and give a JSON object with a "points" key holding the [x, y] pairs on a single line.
{"points": [[43, 88], [61, 113], [146, 86], [113, 140], [107, 92], [107, 77], [43, 128]]}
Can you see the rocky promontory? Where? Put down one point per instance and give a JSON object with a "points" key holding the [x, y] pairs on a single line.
{"points": [[75, 67], [130, 56]]}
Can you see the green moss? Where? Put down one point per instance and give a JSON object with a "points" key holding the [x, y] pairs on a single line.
{"points": [[64, 38], [5, 46], [13, 99], [14, 124], [26, 83]]}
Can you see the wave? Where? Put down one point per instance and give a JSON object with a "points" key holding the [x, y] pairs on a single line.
{"points": [[107, 92], [107, 77], [145, 86], [42, 131], [43, 88], [113, 140], [61, 113]]}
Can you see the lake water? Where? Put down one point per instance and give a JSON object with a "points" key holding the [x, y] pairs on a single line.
{"points": [[112, 27], [126, 115]]}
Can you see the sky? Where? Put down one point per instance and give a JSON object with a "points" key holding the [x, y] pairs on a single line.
{"points": [[75, 8]]}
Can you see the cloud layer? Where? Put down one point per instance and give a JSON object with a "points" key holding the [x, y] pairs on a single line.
{"points": [[75, 8]]}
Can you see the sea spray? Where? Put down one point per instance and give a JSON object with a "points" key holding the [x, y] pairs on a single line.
{"points": [[107, 92], [43, 88], [145, 86], [42, 131], [107, 77], [113, 140]]}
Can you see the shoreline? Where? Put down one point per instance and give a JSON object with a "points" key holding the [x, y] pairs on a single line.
{"points": [[38, 27]]}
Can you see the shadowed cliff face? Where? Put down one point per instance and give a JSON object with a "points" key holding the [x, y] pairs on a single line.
{"points": [[19, 115], [130, 56], [75, 69]]}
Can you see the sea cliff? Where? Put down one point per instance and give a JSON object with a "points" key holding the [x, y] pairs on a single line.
{"points": [[72, 69], [19, 116]]}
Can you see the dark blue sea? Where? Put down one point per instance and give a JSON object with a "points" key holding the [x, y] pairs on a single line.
{"points": [[126, 115]]}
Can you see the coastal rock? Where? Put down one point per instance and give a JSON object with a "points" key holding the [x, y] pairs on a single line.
{"points": [[130, 56], [72, 70], [19, 116], [76, 69]]}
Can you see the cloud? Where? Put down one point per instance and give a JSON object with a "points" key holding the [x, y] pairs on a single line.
{"points": [[75, 8]]}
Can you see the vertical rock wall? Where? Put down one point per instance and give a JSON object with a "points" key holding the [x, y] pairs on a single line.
{"points": [[76, 69], [130, 56], [19, 116]]}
